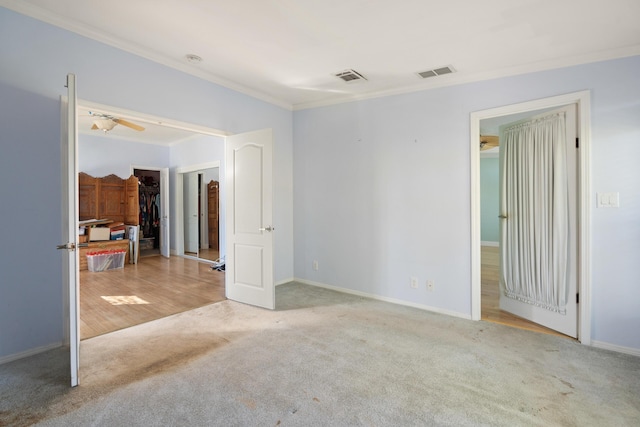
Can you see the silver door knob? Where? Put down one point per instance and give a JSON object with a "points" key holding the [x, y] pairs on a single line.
{"points": [[269, 228]]}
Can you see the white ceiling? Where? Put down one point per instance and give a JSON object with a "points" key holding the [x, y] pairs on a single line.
{"points": [[287, 51]]}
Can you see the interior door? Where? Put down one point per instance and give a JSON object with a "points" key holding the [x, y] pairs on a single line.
{"points": [[70, 225], [249, 228], [190, 181], [164, 213], [566, 323]]}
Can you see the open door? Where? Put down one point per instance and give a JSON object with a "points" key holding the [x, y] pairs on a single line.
{"points": [[164, 213], [538, 219], [190, 191], [249, 181], [70, 224]]}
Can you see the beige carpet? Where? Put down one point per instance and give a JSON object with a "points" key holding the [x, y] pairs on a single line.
{"points": [[324, 359]]}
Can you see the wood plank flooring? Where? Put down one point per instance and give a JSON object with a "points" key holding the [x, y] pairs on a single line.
{"points": [[156, 287], [490, 295]]}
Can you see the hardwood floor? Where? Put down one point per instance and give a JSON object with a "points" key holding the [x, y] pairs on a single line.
{"points": [[490, 296], [156, 287], [210, 254]]}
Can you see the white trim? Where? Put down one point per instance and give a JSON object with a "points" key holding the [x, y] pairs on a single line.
{"points": [[179, 203], [285, 281], [583, 101], [152, 119], [199, 167], [30, 352], [492, 244], [385, 299], [617, 348]]}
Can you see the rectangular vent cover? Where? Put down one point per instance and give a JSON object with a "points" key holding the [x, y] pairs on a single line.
{"points": [[436, 72], [350, 76]]}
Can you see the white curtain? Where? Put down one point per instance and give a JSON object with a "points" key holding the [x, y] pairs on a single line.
{"points": [[534, 211]]}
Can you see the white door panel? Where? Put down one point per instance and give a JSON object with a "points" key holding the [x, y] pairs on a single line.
{"points": [[164, 213], [564, 323], [249, 262], [70, 225], [191, 212]]}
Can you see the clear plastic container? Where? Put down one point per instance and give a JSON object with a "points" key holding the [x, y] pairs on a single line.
{"points": [[106, 260]]}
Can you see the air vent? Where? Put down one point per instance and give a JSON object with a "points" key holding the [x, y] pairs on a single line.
{"points": [[350, 76], [436, 72]]}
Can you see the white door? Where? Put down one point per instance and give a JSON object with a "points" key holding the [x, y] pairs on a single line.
{"points": [[249, 190], [190, 181], [203, 223], [70, 225], [164, 212], [567, 322]]}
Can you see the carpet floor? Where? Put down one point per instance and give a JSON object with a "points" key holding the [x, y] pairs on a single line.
{"points": [[323, 358]]}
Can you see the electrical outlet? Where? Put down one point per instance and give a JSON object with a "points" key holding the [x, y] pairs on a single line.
{"points": [[414, 282], [430, 285], [315, 265]]}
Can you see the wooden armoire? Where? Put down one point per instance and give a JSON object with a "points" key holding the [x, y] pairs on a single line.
{"points": [[214, 214], [110, 197]]}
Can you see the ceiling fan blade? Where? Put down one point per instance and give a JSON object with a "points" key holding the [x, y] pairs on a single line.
{"points": [[129, 124], [488, 141]]}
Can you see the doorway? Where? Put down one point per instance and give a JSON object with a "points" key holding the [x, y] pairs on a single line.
{"points": [[155, 286], [581, 100], [200, 209]]}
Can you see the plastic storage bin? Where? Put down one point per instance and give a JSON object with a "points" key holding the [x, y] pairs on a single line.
{"points": [[105, 260]]}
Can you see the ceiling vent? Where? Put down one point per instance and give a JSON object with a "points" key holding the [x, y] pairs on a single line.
{"points": [[436, 72], [350, 76]]}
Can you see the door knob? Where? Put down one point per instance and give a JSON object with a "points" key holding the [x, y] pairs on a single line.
{"points": [[269, 228]]}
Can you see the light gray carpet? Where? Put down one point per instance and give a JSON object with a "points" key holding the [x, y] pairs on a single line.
{"points": [[324, 359]]}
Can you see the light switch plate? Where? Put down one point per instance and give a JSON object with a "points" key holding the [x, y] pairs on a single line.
{"points": [[608, 200]]}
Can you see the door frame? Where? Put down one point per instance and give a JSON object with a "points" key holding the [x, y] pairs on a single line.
{"points": [[165, 214], [179, 203], [582, 100]]}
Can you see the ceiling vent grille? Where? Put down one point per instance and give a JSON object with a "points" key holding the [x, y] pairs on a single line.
{"points": [[350, 76], [436, 72]]}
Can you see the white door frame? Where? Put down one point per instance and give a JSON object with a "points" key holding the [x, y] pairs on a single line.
{"points": [[179, 202], [583, 101]]}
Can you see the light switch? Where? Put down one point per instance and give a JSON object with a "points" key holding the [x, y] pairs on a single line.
{"points": [[608, 200]]}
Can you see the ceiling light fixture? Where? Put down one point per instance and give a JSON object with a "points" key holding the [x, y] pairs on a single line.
{"points": [[104, 125]]}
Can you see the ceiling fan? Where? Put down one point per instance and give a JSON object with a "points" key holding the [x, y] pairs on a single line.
{"points": [[105, 122], [488, 142]]}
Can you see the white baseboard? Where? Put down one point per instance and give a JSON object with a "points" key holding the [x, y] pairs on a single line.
{"points": [[616, 348], [486, 243], [31, 352], [385, 299], [283, 282]]}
